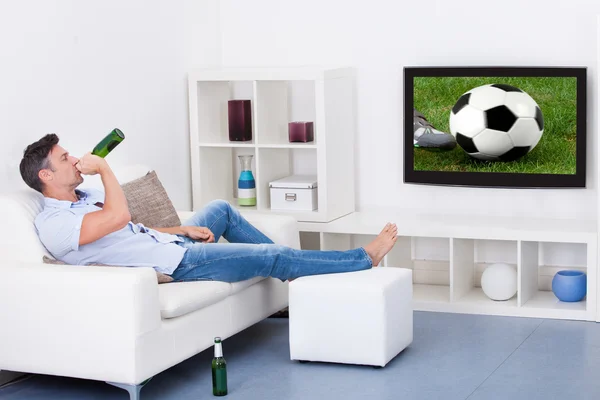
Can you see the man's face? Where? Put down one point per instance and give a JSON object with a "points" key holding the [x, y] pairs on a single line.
{"points": [[62, 172]]}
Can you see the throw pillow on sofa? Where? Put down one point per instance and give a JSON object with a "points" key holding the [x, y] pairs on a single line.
{"points": [[149, 203]]}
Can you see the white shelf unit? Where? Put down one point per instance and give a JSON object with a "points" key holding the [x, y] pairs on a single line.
{"points": [[278, 96], [448, 255]]}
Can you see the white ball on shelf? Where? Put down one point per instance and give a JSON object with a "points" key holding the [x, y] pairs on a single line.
{"points": [[499, 281]]}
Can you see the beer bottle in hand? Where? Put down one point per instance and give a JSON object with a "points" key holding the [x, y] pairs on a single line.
{"points": [[108, 143]]}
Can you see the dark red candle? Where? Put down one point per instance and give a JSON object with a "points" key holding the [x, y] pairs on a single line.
{"points": [[301, 131], [240, 120]]}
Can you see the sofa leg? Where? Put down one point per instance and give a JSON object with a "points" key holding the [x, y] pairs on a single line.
{"points": [[134, 390]]}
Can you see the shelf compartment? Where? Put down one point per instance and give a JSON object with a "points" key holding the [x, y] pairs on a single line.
{"points": [[282, 102], [423, 293], [429, 259], [277, 163], [212, 112], [488, 252], [310, 240], [218, 173], [469, 259], [555, 257], [539, 262], [401, 256]]}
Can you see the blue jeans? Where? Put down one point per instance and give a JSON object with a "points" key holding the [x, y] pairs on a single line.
{"points": [[250, 253]]}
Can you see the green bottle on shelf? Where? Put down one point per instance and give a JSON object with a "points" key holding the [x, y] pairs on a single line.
{"points": [[109, 142], [219, 370]]}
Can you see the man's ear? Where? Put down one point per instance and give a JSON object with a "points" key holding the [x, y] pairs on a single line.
{"points": [[45, 175]]}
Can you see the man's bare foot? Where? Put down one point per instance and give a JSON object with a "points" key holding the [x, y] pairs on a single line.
{"points": [[382, 244]]}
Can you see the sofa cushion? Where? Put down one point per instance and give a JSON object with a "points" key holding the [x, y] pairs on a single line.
{"points": [[239, 286], [160, 277], [149, 203], [179, 298]]}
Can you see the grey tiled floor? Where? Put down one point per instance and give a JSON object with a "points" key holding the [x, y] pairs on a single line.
{"points": [[453, 356]]}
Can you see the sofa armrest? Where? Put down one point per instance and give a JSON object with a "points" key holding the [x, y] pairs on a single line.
{"points": [[62, 313], [183, 215], [282, 229]]}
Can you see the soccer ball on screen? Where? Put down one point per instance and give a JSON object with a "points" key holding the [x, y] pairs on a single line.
{"points": [[496, 122]]}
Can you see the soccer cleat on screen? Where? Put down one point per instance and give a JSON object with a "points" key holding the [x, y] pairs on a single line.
{"points": [[427, 137]]}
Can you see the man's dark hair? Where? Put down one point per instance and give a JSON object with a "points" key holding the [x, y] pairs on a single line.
{"points": [[35, 159]]}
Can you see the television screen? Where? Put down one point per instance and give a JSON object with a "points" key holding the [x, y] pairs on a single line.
{"points": [[495, 126]]}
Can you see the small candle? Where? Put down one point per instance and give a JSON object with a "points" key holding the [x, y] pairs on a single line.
{"points": [[301, 131]]}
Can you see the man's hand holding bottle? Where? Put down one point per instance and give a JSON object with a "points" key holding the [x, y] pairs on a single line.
{"points": [[90, 164]]}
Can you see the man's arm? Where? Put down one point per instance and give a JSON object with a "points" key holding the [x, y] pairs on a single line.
{"points": [[175, 230], [115, 212], [194, 232]]}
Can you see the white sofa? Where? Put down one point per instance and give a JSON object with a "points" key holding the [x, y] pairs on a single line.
{"points": [[115, 324]]}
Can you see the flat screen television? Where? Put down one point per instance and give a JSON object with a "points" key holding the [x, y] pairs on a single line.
{"points": [[512, 127]]}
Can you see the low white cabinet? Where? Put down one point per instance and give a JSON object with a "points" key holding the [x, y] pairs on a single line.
{"points": [[448, 255]]}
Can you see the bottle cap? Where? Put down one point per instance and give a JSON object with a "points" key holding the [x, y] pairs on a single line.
{"points": [[217, 339]]}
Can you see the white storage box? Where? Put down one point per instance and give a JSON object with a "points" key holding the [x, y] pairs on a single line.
{"points": [[295, 192]]}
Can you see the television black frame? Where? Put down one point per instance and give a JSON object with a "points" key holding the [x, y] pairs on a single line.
{"points": [[495, 179]]}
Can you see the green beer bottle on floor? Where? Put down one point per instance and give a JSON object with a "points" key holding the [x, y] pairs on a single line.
{"points": [[108, 143], [219, 370]]}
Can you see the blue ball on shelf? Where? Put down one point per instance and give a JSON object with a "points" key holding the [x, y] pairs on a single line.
{"points": [[569, 286]]}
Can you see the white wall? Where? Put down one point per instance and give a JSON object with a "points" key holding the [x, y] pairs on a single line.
{"points": [[82, 68], [379, 37]]}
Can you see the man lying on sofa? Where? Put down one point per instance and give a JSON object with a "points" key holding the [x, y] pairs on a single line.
{"points": [[81, 227]]}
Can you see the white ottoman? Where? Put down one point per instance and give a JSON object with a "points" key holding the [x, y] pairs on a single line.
{"points": [[361, 317]]}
